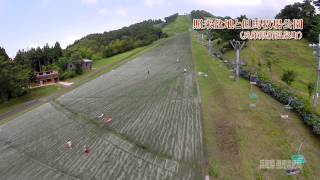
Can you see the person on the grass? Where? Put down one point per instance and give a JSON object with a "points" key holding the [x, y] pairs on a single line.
{"points": [[184, 70], [87, 150], [69, 144]]}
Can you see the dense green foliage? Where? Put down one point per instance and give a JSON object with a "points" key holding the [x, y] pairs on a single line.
{"points": [[37, 58], [288, 76], [307, 12], [14, 78], [97, 46], [3, 54], [200, 14]]}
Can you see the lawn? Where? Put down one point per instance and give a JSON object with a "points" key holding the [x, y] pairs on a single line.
{"points": [[182, 24], [237, 137], [287, 55]]}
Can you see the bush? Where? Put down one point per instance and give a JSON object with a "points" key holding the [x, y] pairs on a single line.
{"points": [[67, 74], [288, 77]]}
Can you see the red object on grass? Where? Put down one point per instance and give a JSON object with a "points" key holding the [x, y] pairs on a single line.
{"points": [[87, 151]]}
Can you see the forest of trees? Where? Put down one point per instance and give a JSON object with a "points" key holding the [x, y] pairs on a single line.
{"points": [[200, 14], [38, 58], [97, 46], [307, 12], [14, 78]]}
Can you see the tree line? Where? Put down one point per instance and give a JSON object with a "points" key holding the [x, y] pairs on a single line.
{"points": [[38, 58], [304, 10], [97, 46]]}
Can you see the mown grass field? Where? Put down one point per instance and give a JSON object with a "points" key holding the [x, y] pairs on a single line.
{"points": [[238, 137], [181, 24], [287, 55]]}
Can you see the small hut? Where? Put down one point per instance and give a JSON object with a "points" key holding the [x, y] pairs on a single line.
{"points": [[85, 64], [46, 77]]}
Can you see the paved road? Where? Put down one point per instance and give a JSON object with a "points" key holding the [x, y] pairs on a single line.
{"points": [[155, 132]]}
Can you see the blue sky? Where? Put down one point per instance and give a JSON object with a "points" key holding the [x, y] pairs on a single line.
{"points": [[31, 23]]}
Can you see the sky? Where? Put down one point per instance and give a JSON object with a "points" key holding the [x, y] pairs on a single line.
{"points": [[32, 23]]}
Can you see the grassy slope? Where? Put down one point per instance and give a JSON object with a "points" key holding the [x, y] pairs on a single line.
{"points": [[102, 66], [237, 138], [288, 55], [182, 24], [35, 93]]}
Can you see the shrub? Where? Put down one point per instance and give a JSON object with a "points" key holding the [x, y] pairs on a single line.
{"points": [[288, 77], [67, 74]]}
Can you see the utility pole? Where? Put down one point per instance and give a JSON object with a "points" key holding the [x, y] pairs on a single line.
{"points": [[209, 47], [316, 51], [237, 46], [202, 39]]}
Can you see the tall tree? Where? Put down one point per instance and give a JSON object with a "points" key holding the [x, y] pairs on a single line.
{"points": [[57, 50], [305, 11], [14, 79], [3, 53]]}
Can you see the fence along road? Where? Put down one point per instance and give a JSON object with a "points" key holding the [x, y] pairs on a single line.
{"points": [[155, 132]]}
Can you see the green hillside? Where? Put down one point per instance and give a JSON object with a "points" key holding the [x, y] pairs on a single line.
{"points": [[285, 55], [181, 24], [238, 137]]}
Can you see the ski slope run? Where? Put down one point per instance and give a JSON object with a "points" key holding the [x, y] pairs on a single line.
{"points": [[155, 131]]}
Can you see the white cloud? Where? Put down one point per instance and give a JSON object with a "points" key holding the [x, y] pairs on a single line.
{"points": [[89, 1], [122, 12], [104, 11]]}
